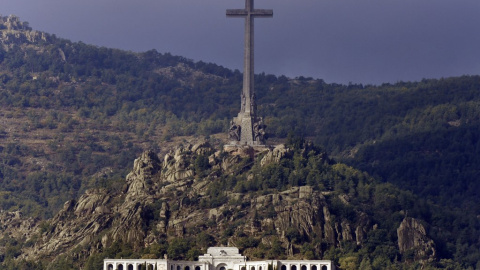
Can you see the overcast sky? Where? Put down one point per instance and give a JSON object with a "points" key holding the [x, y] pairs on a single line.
{"points": [[342, 41]]}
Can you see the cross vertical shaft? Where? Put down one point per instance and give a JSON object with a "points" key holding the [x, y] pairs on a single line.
{"points": [[247, 125], [249, 64]]}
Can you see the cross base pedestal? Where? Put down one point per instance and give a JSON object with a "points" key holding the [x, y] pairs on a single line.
{"points": [[247, 130]]}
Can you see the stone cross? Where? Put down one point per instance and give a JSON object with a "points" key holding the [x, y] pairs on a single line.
{"points": [[247, 128]]}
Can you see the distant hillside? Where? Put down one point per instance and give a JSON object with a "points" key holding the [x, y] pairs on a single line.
{"points": [[74, 116], [65, 105]]}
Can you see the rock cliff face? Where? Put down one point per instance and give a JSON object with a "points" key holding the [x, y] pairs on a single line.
{"points": [[412, 237], [144, 169], [14, 225], [12, 31], [76, 224], [276, 154], [163, 199]]}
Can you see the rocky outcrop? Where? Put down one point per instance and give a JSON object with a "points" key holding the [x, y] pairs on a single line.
{"points": [[129, 227], [412, 236], [164, 214], [176, 164], [202, 148], [82, 221], [12, 30], [124, 216], [166, 199], [327, 227], [293, 209], [130, 224], [35, 36], [76, 224], [12, 22], [362, 227], [139, 180], [14, 225], [275, 155]]}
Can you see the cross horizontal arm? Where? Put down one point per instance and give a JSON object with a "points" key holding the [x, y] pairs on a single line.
{"points": [[243, 13]]}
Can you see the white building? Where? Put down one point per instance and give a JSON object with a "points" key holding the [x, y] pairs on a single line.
{"points": [[217, 258]]}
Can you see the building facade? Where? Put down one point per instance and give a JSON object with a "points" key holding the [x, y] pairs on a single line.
{"points": [[217, 258]]}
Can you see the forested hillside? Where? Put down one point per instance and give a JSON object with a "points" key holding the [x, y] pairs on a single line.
{"points": [[74, 116], [71, 110]]}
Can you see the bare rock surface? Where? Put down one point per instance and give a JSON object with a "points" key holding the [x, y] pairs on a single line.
{"points": [[176, 164], [275, 155], [15, 225], [412, 236]]}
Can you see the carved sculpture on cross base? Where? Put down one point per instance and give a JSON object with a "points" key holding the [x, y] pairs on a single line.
{"points": [[234, 132], [247, 128], [247, 131], [259, 131]]}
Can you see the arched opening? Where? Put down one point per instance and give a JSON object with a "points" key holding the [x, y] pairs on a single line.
{"points": [[187, 267], [314, 267], [197, 267], [284, 267], [139, 267], [178, 267], [171, 267], [324, 267], [259, 268], [222, 268], [293, 267], [304, 267], [120, 267], [130, 267], [110, 267], [252, 268], [243, 268], [150, 267]]}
